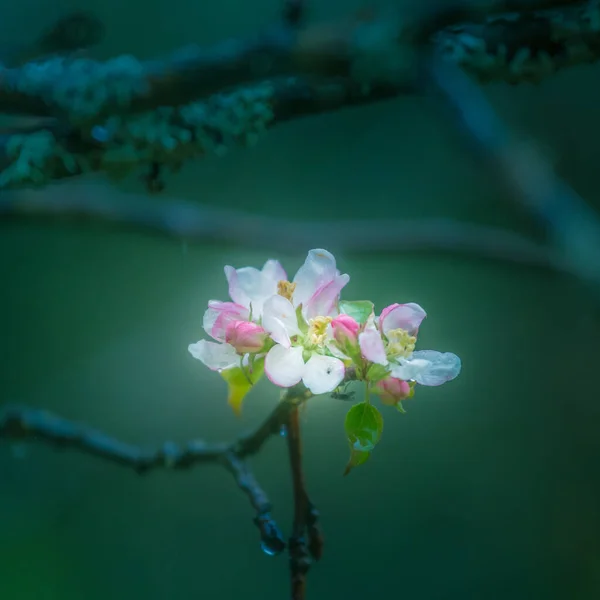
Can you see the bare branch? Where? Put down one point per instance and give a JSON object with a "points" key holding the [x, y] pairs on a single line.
{"points": [[19, 422], [195, 222], [573, 226]]}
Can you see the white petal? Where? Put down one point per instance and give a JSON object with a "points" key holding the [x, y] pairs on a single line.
{"points": [[214, 355], [237, 291], [402, 316], [250, 287], [274, 271], [278, 332], [318, 270], [323, 373], [409, 369], [442, 367], [278, 310], [371, 346], [284, 366]]}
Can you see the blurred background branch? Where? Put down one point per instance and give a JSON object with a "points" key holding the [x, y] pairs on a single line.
{"points": [[196, 223]]}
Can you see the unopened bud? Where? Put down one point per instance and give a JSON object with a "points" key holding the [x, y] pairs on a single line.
{"points": [[245, 336]]}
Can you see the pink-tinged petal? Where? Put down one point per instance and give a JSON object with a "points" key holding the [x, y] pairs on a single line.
{"points": [[402, 316], [317, 271], [277, 312], [323, 374], [245, 336], [392, 390], [216, 357], [371, 346], [250, 287], [274, 271], [323, 303], [284, 366], [219, 315]]}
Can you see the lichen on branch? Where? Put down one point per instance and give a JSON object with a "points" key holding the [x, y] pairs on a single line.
{"points": [[124, 113]]}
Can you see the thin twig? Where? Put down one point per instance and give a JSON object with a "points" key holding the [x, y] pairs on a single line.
{"points": [[21, 422]]}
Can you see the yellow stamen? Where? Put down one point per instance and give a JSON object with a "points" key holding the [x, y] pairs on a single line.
{"points": [[286, 289], [400, 343], [316, 330]]}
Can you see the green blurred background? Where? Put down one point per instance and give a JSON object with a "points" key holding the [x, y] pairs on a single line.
{"points": [[488, 488]]}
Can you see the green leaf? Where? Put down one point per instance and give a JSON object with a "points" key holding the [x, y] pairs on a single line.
{"points": [[240, 381], [363, 426], [302, 324], [359, 310], [377, 372]]}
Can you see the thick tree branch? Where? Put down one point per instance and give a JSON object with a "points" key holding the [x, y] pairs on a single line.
{"points": [[229, 94]]}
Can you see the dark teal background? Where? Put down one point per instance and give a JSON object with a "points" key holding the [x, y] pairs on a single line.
{"points": [[488, 488]]}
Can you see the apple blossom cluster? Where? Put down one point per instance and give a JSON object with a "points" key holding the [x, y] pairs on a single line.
{"points": [[299, 330]]}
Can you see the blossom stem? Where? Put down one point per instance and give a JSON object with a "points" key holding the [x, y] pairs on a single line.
{"points": [[367, 392], [306, 541]]}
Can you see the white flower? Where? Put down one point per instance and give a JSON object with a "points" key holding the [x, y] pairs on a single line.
{"points": [[392, 341], [301, 349]]}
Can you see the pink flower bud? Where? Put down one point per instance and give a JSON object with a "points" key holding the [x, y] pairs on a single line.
{"points": [[392, 390], [345, 330], [245, 336], [220, 314]]}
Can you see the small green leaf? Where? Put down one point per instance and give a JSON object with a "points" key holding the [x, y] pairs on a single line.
{"points": [[240, 381], [359, 310], [363, 426], [302, 324], [377, 372]]}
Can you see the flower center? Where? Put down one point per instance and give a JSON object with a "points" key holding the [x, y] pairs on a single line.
{"points": [[400, 343], [286, 289], [316, 330]]}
